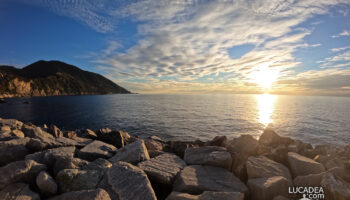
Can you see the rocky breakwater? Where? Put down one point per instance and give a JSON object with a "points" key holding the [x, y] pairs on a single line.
{"points": [[44, 162]]}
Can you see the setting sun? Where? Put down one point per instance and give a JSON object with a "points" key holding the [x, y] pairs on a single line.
{"points": [[264, 77]]}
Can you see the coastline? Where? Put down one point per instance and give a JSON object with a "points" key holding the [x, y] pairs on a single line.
{"points": [[49, 163]]}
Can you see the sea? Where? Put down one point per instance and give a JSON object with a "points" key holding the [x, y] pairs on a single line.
{"points": [[313, 119]]}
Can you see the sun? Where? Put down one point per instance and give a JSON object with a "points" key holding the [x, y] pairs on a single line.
{"points": [[264, 76]]}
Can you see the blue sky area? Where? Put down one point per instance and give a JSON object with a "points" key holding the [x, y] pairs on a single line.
{"points": [[175, 46]]}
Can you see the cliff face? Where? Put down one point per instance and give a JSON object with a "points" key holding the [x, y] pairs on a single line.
{"points": [[48, 78]]}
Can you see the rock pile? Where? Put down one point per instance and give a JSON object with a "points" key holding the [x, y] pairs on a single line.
{"points": [[48, 163]]}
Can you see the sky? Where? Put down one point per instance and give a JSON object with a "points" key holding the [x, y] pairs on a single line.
{"points": [[190, 46]]}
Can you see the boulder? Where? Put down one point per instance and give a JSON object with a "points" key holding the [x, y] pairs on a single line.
{"points": [[244, 144], [262, 167], [163, 168], [99, 164], [208, 155], [335, 162], [196, 179], [55, 131], [49, 157], [219, 141], [179, 147], [75, 180], [97, 194], [69, 134], [18, 191], [335, 188], [97, 149], [43, 143], [132, 153], [112, 137], [20, 171], [87, 133], [279, 197], [311, 180], [12, 151], [46, 184], [154, 147], [268, 188], [13, 123], [182, 196], [129, 182], [271, 138], [301, 165], [68, 163]]}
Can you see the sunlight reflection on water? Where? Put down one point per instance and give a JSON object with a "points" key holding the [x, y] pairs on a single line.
{"points": [[266, 106]]}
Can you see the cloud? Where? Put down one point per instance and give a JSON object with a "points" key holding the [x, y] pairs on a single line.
{"points": [[342, 34], [340, 49]]}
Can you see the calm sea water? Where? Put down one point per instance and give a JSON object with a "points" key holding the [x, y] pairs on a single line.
{"points": [[318, 120]]}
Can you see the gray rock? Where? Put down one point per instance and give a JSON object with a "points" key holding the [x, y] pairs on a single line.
{"points": [[244, 144], [335, 188], [49, 157], [13, 123], [55, 131], [99, 164], [12, 151], [132, 153], [18, 191], [179, 147], [301, 165], [311, 180], [129, 182], [219, 141], [208, 155], [98, 194], [181, 196], [196, 179], [163, 168], [97, 149], [68, 163], [20, 171], [279, 197], [154, 147], [87, 133], [75, 180], [112, 137], [271, 138], [262, 167], [268, 188], [46, 184], [42, 143]]}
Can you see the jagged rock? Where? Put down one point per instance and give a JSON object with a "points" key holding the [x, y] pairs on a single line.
{"points": [[20, 171], [87, 133], [97, 149], [197, 178], [132, 153], [82, 142], [262, 167], [163, 168], [18, 191], [279, 154], [55, 131], [154, 147], [17, 133], [99, 164], [334, 162], [301, 165], [129, 182], [34, 131], [69, 134], [179, 147], [112, 137], [49, 157], [244, 144], [12, 150], [98, 194], [268, 188], [311, 180], [335, 188], [207, 195], [219, 141], [74, 179], [68, 163], [271, 138], [42, 143], [46, 184], [13, 123], [208, 155], [7, 134]]}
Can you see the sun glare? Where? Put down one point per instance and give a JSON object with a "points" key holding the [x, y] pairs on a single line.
{"points": [[265, 105], [264, 77]]}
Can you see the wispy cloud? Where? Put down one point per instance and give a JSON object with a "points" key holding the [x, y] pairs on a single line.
{"points": [[342, 34], [340, 49]]}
